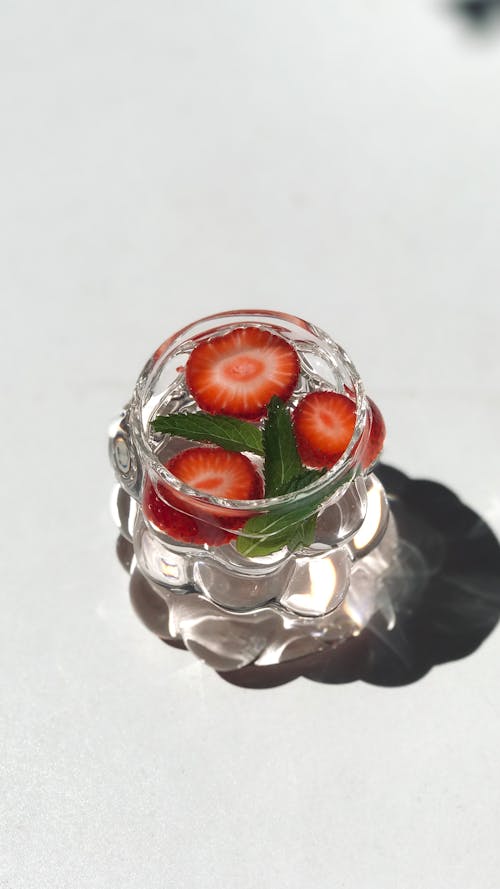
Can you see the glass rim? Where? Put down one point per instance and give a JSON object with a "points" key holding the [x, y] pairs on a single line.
{"points": [[156, 468]]}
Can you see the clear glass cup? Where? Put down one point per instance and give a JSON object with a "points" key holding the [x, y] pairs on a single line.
{"points": [[303, 589]]}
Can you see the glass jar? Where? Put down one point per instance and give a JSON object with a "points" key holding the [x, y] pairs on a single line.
{"points": [[301, 593]]}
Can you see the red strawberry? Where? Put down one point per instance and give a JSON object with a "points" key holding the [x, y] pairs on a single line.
{"points": [[173, 522], [215, 471], [323, 423], [238, 372], [377, 436]]}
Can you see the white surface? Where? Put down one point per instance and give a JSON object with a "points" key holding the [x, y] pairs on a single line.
{"points": [[164, 160]]}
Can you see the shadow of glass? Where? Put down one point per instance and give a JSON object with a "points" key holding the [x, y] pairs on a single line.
{"points": [[481, 15], [452, 610], [451, 604]]}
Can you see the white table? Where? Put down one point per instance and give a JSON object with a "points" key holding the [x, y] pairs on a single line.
{"points": [[162, 161]]}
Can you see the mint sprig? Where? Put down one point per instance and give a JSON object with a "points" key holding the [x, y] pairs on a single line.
{"points": [[302, 534], [291, 525], [227, 432], [282, 462], [303, 478], [283, 468], [264, 534]]}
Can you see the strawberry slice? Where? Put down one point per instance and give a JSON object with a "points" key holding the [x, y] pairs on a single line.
{"points": [[377, 436], [323, 424], [216, 471], [211, 470], [238, 372]]}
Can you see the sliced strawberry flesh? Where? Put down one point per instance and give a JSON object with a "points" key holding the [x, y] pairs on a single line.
{"points": [[324, 424], [210, 470], [178, 524], [237, 373], [376, 438], [241, 369], [215, 471]]}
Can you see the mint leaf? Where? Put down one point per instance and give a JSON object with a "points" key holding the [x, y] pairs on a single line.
{"points": [[282, 461], [291, 525], [268, 532], [302, 534], [305, 477], [264, 534], [227, 432]]}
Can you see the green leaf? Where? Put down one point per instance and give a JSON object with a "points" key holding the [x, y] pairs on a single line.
{"points": [[270, 531], [302, 534], [261, 543], [291, 525], [282, 461], [304, 478], [227, 432]]}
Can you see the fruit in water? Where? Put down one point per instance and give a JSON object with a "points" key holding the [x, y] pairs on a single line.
{"points": [[211, 470], [216, 471], [324, 424], [238, 372], [175, 523], [377, 436]]}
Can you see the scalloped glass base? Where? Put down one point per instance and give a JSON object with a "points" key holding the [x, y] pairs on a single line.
{"points": [[231, 613]]}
